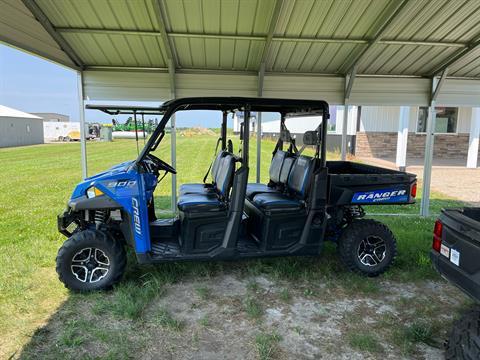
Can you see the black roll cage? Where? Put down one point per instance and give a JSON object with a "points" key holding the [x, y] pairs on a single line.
{"points": [[286, 107]]}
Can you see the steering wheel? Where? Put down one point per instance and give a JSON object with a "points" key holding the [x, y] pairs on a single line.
{"points": [[160, 164]]}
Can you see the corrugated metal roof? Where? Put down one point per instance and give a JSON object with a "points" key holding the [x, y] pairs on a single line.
{"points": [[379, 37]]}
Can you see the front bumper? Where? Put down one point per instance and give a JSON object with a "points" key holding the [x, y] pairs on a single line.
{"points": [[469, 284], [65, 221]]}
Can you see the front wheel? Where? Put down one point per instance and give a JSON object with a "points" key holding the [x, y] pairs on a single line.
{"points": [[367, 247], [90, 260]]}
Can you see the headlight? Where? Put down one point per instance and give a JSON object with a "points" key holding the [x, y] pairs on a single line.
{"points": [[92, 192]]}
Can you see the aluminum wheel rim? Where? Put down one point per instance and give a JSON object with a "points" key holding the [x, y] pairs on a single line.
{"points": [[90, 265], [372, 251]]}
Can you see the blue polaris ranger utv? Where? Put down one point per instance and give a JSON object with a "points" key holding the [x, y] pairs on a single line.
{"points": [[307, 201]]}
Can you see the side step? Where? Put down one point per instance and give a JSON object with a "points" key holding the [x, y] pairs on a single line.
{"points": [[165, 249]]}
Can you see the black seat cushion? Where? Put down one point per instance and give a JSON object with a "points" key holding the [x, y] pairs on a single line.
{"points": [[196, 189], [254, 189], [274, 201], [200, 203]]}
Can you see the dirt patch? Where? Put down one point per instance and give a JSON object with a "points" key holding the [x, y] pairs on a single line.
{"points": [[233, 316], [308, 327]]}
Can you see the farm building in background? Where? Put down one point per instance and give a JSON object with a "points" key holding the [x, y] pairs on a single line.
{"points": [[372, 131], [53, 117], [378, 129], [18, 128]]}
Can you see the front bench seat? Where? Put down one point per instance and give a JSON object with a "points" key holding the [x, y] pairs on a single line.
{"points": [[297, 185], [208, 188], [217, 200]]}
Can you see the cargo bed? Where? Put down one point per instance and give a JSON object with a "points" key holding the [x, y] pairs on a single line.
{"points": [[361, 184]]}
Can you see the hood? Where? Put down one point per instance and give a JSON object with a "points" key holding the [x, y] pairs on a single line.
{"points": [[113, 172]]}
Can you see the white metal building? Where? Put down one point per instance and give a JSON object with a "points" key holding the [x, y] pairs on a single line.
{"points": [[18, 128], [405, 53], [378, 128]]}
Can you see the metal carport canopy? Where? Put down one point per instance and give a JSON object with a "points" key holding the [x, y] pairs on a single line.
{"points": [[358, 52]]}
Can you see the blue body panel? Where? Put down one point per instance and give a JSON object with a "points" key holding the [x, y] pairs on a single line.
{"points": [[397, 195], [132, 190]]}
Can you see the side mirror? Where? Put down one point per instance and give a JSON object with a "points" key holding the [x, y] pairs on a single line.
{"points": [[311, 138]]}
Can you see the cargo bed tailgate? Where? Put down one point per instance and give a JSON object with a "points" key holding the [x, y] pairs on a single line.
{"points": [[459, 257]]}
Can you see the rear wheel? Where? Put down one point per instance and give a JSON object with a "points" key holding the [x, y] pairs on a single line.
{"points": [[464, 340], [90, 260], [367, 247]]}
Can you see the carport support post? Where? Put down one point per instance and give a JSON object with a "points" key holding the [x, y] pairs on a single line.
{"points": [[344, 132], [259, 144], [427, 166], [402, 137], [81, 108], [173, 142], [473, 141], [261, 75], [349, 79], [173, 134], [429, 142]]}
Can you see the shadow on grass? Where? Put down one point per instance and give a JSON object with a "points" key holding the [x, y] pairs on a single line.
{"points": [[118, 324]]}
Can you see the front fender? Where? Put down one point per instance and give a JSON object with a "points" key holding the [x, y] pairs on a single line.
{"points": [[97, 203]]}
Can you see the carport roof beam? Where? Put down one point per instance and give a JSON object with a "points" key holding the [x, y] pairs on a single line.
{"points": [[47, 25], [193, 35], [161, 19], [271, 30], [458, 55], [382, 29]]}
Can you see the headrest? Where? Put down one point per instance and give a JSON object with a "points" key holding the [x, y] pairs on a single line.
{"points": [[285, 135], [310, 138]]}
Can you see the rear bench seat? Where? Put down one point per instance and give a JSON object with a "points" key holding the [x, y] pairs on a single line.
{"points": [[216, 199], [279, 172], [296, 189], [208, 188]]}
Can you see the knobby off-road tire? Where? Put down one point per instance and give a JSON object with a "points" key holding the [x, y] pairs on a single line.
{"points": [[367, 247], [464, 339], [90, 260]]}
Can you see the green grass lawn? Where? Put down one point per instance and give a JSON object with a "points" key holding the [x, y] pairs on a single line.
{"points": [[36, 183]]}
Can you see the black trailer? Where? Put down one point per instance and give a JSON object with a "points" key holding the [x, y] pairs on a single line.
{"points": [[307, 201]]}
